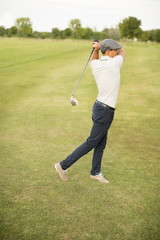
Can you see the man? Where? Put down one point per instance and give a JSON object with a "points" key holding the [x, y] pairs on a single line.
{"points": [[107, 76]]}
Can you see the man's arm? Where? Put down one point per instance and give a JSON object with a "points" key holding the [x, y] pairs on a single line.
{"points": [[96, 46], [122, 53]]}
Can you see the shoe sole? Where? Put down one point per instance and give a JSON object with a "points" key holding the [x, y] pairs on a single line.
{"points": [[99, 180]]}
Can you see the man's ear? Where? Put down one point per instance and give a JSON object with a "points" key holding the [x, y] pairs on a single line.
{"points": [[108, 52]]}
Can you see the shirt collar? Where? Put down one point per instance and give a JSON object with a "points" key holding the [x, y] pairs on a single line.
{"points": [[105, 57]]}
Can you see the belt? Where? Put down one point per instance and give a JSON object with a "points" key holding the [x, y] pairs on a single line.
{"points": [[104, 105]]}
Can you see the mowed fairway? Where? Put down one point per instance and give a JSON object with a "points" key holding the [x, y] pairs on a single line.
{"points": [[39, 127]]}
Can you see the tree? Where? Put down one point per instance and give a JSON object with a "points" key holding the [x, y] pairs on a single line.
{"points": [[62, 34], [55, 33], [2, 31], [130, 28], [45, 35], [88, 33], [67, 32], [97, 35], [145, 36], [156, 35], [8, 32], [13, 30], [105, 33], [36, 34], [75, 24], [24, 27], [80, 33], [85, 33], [114, 33]]}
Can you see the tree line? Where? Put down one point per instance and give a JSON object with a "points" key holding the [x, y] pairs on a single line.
{"points": [[128, 28]]}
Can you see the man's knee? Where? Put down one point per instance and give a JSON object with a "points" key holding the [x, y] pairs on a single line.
{"points": [[100, 147], [91, 143]]}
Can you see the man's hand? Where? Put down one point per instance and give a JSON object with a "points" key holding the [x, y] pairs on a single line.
{"points": [[122, 53], [96, 46]]}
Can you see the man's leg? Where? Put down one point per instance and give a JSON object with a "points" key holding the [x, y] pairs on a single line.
{"points": [[97, 156], [75, 155], [97, 133], [99, 148], [102, 118]]}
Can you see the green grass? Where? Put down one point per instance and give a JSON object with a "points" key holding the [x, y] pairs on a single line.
{"points": [[39, 127]]}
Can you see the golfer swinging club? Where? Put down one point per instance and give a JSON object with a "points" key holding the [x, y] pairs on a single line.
{"points": [[106, 71]]}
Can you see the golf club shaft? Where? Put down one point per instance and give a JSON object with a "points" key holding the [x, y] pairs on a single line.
{"points": [[83, 72]]}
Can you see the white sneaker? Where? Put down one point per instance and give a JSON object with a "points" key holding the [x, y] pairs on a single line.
{"points": [[99, 177], [62, 173]]}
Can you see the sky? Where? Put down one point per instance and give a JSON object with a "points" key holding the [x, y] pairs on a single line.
{"points": [[96, 14]]}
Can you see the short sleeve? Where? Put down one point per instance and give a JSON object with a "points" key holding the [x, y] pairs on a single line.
{"points": [[93, 63], [118, 60]]}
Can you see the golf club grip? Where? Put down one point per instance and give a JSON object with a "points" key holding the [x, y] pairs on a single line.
{"points": [[84, 69]]}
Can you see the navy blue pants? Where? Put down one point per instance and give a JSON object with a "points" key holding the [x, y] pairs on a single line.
{"points": [[102, 118]]}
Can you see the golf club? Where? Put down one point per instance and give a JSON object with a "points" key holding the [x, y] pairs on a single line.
{"points": [[73, 101]]}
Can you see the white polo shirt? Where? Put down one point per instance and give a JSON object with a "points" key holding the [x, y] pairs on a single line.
{"points": [[107, 75]]}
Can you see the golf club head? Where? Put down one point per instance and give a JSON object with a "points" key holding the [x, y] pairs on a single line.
{"points": [[73, 101]]}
